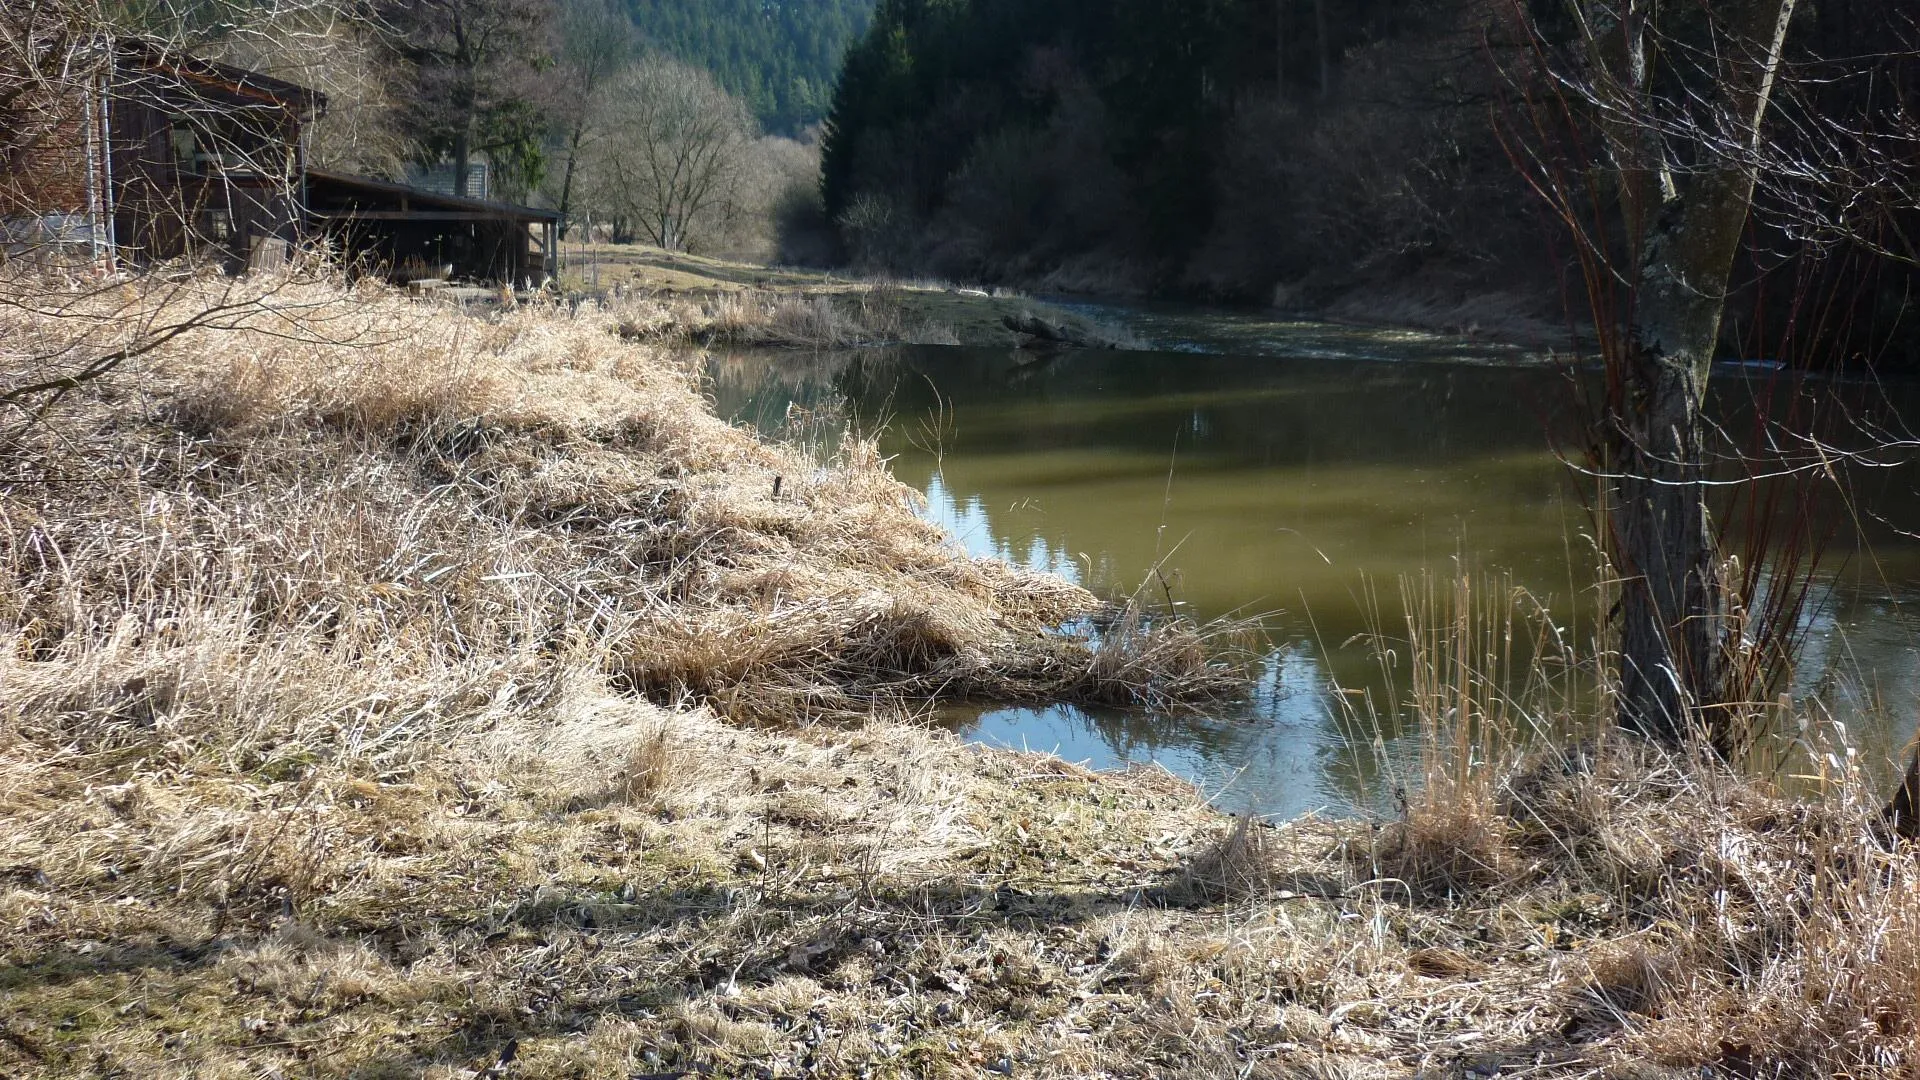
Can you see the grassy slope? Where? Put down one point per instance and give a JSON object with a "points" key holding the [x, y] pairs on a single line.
{"points": [[374, 709]]}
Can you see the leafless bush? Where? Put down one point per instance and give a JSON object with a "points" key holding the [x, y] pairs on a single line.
{"points": [[672, 156], [776, 214], [1397, 182], [331, 46], [877, 232], [1028, 198]]}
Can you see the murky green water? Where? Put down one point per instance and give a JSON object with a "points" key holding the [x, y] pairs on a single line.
{"points": [[1302, 476]]}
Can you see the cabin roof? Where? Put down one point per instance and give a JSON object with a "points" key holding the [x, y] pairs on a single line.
{"points": [[364, 198], [157, 55]]}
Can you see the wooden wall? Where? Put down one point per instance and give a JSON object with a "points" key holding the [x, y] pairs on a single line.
{"points": [[237, 182]]}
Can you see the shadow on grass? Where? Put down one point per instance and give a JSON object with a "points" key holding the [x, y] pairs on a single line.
{"points": [[56, 997]]}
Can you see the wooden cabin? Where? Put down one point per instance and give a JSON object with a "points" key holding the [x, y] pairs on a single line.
{"points": [[206, 159], [153, 155], [156, 155], [404, 233]]}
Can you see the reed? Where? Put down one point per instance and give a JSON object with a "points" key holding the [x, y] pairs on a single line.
{"points": [[1697, 915]]}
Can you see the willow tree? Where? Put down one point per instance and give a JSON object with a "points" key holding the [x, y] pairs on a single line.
{"points": [[1681, 96]]}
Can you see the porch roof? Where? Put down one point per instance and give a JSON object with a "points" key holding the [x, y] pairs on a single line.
{"points": [[341, 197]]}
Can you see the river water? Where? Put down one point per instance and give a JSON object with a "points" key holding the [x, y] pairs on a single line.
{"points": [[1301, 473]]}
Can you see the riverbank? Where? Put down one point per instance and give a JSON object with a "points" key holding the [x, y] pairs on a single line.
{"points": [[720, 301], [396, 691], [701, 300]]}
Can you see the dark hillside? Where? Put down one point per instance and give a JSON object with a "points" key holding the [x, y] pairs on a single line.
{"points": [[1219, 146], [1362, 158]]}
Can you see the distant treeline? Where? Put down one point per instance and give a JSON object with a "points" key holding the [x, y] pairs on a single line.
{"points": [[1206, 145], [780, 56], [1313, 150]]}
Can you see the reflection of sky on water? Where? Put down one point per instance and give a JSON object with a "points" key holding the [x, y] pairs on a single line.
{"points": [[972, 525], [1271, 756]]}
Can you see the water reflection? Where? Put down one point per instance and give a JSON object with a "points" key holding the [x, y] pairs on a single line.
{"points": [[1292, 482], [966, 517], [1289, 761]]}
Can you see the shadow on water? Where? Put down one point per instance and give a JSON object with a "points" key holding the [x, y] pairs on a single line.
{"points": [[1304, 482]]}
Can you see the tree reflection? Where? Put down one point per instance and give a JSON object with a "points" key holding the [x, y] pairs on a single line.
{"points": [[1269, 482]]}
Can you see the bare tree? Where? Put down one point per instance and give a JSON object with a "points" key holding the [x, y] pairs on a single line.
{"points": [[335, 47], [1681, 97], [596, 41], [475, 86], [671, 154]]}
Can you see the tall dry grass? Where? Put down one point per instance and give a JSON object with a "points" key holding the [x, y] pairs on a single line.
{"points": [[1702, 917], [360, 533], [331, 642], [366, 479]]}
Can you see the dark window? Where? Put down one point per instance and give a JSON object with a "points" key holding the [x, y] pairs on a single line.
{"points": [[186, 148]]}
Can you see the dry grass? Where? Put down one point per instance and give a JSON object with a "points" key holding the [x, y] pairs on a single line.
{"points": [[674, 298], [370, 712], [848, 316], [367, 478], [1472, 312], [842, 319], [1684, 915]]}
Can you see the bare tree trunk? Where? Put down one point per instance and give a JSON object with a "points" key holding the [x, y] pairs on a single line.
{"points": [[566, 181], [1673, 601], [1672, 598]]}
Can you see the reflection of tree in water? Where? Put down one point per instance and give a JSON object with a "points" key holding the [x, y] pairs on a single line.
{"points": [[763, 387], [966, 519], [1434, 440]]}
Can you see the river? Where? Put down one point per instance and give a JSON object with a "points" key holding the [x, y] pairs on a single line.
{"points": [[1301, 473]]}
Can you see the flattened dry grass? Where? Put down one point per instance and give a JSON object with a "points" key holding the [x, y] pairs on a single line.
{"points": [[413, 488], [377, 711]]}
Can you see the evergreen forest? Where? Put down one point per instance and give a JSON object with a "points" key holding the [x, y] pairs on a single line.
{"points": [[780, 56], [1377, 157]]}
